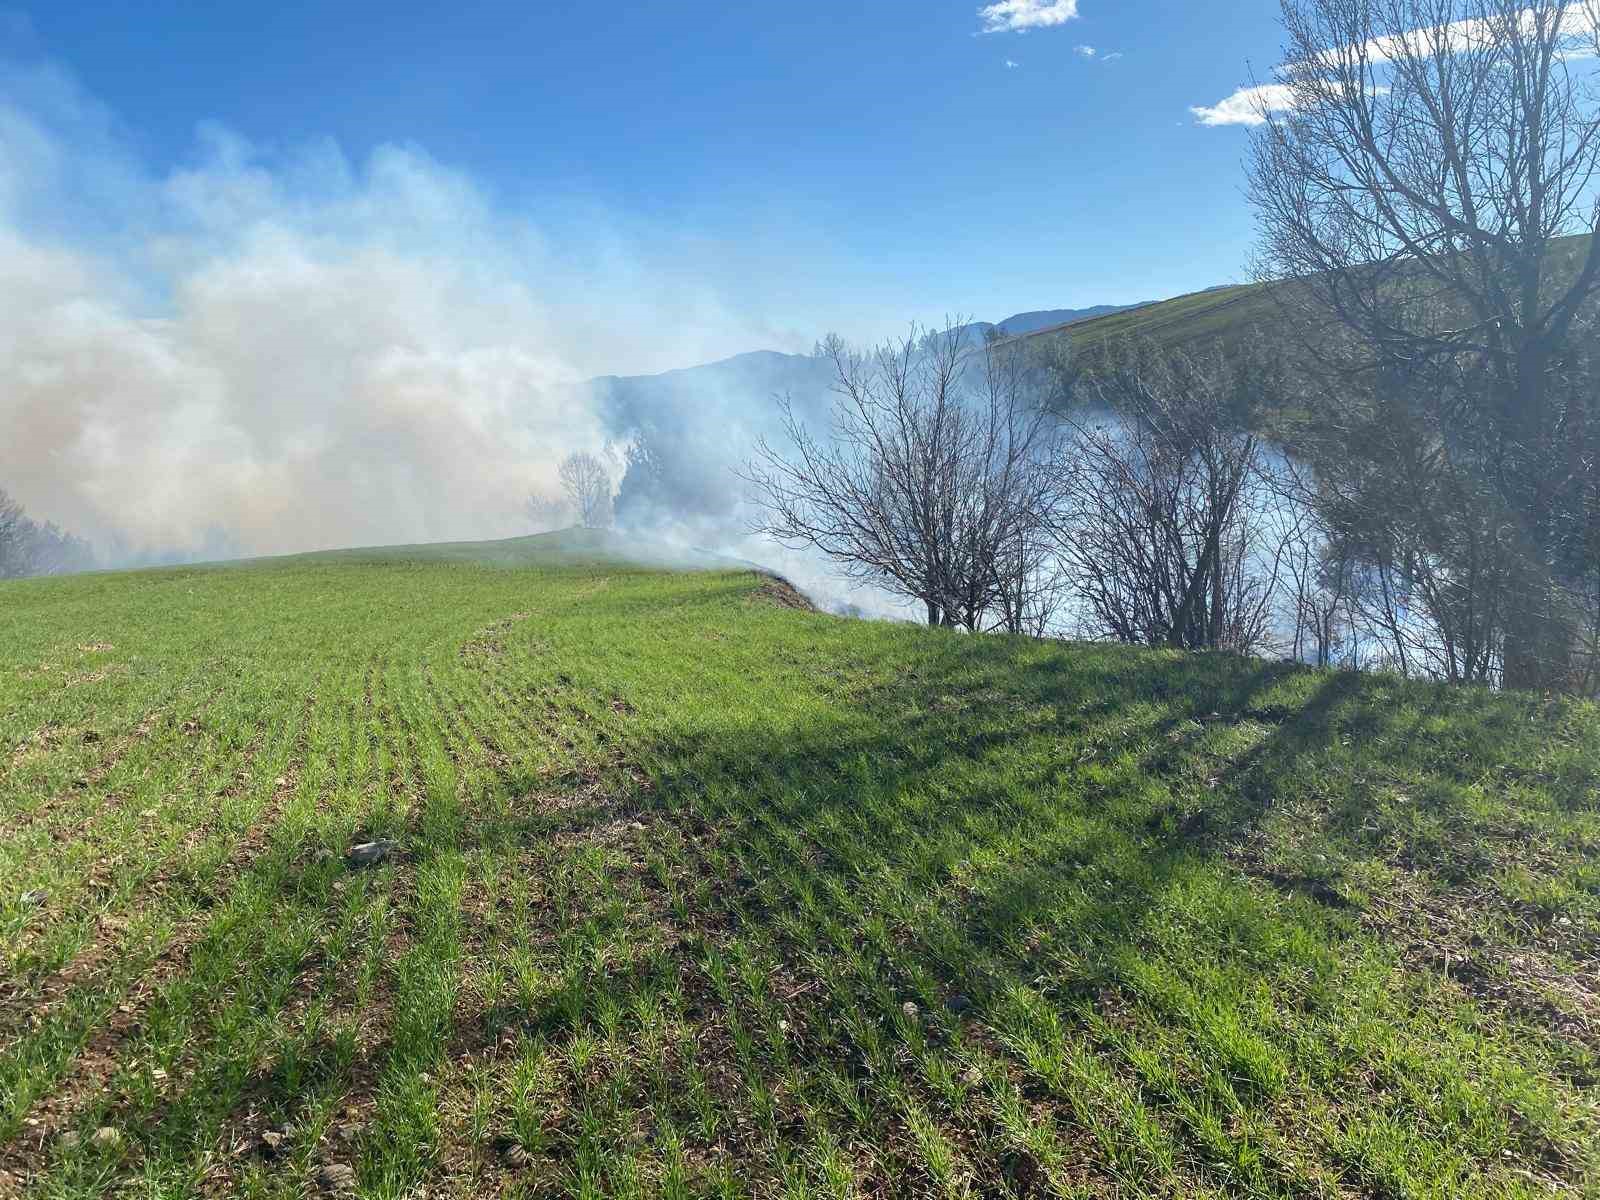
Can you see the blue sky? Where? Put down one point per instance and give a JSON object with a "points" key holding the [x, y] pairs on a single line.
{"points": [[835, 163]]}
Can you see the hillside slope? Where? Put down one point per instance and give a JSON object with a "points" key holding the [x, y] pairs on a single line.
{"points": [[576, 546], [1220, 313], [1054, 318], [690, 894]]}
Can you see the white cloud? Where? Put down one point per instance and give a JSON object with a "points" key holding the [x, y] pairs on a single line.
{"points": [[1255, 105], [1019, 16], [1247, 106], [1577, 21], [1095, 54], [1012, 64]]}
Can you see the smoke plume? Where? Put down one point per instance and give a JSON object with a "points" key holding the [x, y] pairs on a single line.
{"points": [[277, 350]]}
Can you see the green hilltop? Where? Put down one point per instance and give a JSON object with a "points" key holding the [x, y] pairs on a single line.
{"points": [[562, 547], [1219, 312]]}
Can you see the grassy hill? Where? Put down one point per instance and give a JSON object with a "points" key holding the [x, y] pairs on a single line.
{"points": [[566, 547], [696, 895], [1222, 313]]}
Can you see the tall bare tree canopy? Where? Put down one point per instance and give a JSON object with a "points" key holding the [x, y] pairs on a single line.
{"points": [[587, 484], [932, 481], [14, 549], [30, 548], [1424, 190], [1167, 502]]}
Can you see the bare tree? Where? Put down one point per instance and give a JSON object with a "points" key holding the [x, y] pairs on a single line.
{"points": [[1320, 578], [1170, 532], [931, 482], [57, 552], [30, 548], [587, 484], [1400, 560], [545, 512], [15, 538], [1420, 190]]}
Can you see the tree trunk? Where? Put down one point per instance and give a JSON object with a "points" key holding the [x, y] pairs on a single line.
{"points": [[1525, 658]]}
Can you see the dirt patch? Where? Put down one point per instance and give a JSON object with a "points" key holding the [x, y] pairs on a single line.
{"points": [[42, 741], [97, 676], [489, 642], [1547, 974], [51, 738], [778, 591]]}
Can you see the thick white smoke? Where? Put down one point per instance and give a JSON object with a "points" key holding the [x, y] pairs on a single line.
{"points": [[276, 351]]}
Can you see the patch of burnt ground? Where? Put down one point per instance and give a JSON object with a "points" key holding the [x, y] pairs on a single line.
{"points": [[777, 590]]}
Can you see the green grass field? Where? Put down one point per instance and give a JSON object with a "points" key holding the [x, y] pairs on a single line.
{"points": [[695, 894]]}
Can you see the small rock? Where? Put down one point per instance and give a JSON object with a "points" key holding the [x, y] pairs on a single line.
{"points": [[271, 1143], [337, 1177], [959, 1005], [106, 1138], [972, 1077], [911, 1011], [1564, 922], [34, 898], [367, 854], [514, 1154], [70, 1140], [636, 826]]}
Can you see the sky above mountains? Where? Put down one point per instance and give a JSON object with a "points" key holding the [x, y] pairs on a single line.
{"points": [[826, 164]]}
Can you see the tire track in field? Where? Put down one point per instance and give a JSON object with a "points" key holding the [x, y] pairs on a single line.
{"points": [[450, 711], [245, 1135], [90, 1064], [486, 711], [375, 1016]]}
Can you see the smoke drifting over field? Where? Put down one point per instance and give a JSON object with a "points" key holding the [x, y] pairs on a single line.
{"points": [[271, 351]]}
